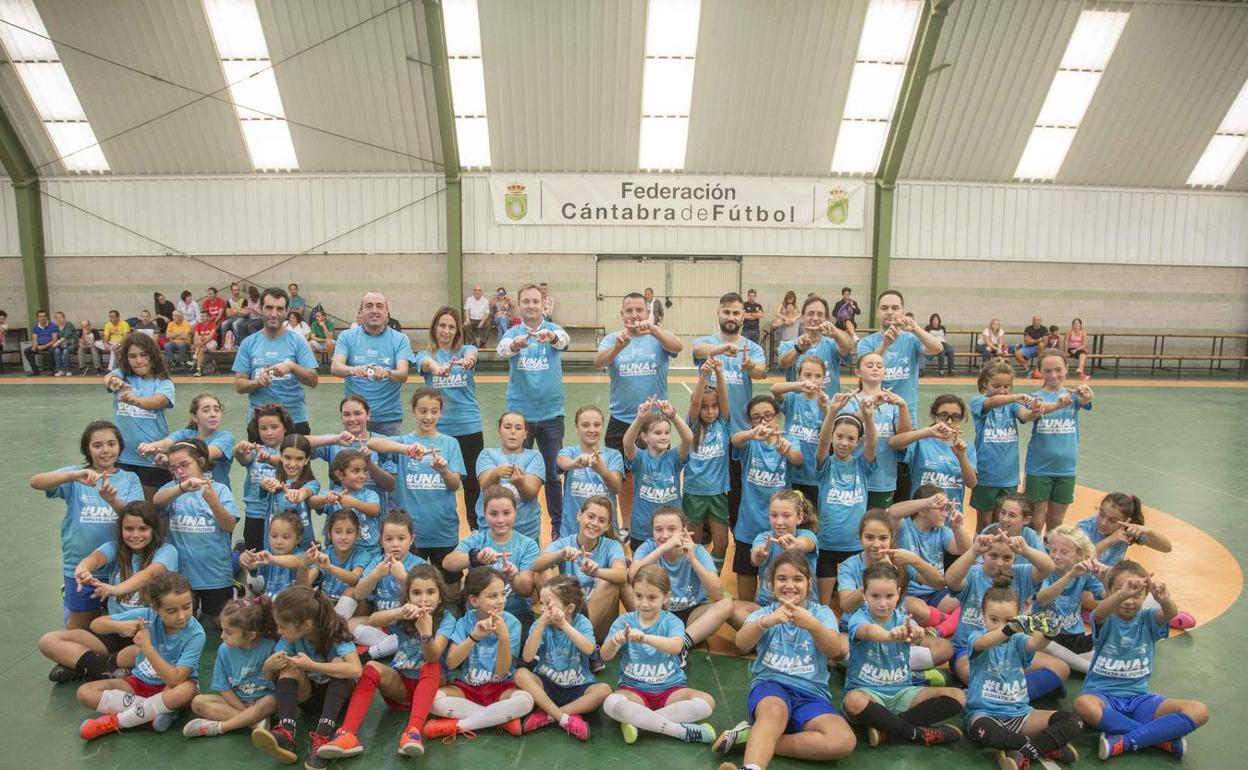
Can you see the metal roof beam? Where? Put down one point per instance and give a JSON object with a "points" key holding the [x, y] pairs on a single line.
{"points": [[25, 179], [435, 30]]}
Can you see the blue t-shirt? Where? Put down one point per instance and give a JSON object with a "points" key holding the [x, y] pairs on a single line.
{"points": [[842, 501], [386, 462], [802, 420], [996, 443], [255, 499], [998, 685], [522, 551], [165, 555], [478, 667], [223, 440], [1030, 537], [359, 556], [643, 667], [687, 588], [637, 372], [740, 384], [774, 550], [203, 547], [580, 484], [179, 650], [605, 552], [1053, 449], [276, 577], [410, 656], [139, 425], [1066, 609], [902, 362], [788, 654], [764, 471], [258, 351], [1111, 555], [706, 470], [383, 350], [422, 492], [461, 414], [279, 503], [1122, 653], [971, 597], [558, 659], [656, 483], [336, 650], [932, 461], [89, 521], [529, 514], [242, 671], [825, 350], [930, 546], [849, 573], [883, 667], [388, 592], [886, 416], [369, 537], [535, 375]]}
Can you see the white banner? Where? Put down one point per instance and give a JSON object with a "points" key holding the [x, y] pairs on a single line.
{"points": [[676, 200]]}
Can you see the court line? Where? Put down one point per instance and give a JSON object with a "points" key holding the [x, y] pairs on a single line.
{"points": [[685, 385]]}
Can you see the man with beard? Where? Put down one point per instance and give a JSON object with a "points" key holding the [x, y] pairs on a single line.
{"points": [[373, 360], [820, 338], [275, 365]]}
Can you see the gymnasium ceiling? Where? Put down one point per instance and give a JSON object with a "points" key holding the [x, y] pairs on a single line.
{"points": [[564, 82]]}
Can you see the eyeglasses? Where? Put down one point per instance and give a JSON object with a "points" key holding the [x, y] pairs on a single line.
{"points": [[765, 417], [949, 416]]}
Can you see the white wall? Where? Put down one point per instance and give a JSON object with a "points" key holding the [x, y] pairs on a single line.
{"points": [[8, 221]]}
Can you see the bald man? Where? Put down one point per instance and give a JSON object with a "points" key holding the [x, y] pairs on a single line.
{"points": [[373, 360]]}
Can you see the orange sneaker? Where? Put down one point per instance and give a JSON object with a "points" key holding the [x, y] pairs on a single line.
{"points": [[446, 729], [90, 729], [512, 727], [343, 744]]}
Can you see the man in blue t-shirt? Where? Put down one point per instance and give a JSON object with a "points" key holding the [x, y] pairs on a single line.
{"points": [[636, 359], [276, 364], [43, 337], [820, 338], [373, 359]]}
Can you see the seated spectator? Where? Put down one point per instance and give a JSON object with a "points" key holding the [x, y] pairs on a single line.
{"points": [[89, 344], [254, 321], [115, 331], [149, 327], [322, 339], [500, 308], [1076, 345], [213, 306], [164, 312], [548, 301], [297, 303], [295, 322], [177, 341], [189, 308], [1033, 336], [1053, 340], [784, 324], [991, 342], [477, 317], [944, 359], [753, 314], [4, 327], [204, 339], [43, 337], [235, 317], [845, 311], [65, 344]]}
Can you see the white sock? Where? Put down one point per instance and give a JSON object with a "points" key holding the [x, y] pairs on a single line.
{"points": [[505, 710], [346, 606], [370, 635], [622, 709], [1073, 659], [920, 658], [143, 711], [452, 707], [115, 701], [388, 646], [692, 710]]}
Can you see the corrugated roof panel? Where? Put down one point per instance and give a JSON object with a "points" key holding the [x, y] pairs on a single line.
{"points": [[770, 85], [26, 123]]}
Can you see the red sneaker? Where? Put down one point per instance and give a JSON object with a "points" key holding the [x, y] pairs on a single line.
{"points": [[446, 729], [576, 727], [512, 727], [411, 744], [536, 720], [90, 729], [344, 744]]}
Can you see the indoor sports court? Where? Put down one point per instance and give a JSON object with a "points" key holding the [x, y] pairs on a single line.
{"points": [[190, 181]]}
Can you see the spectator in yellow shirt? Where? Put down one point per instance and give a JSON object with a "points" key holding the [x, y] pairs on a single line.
{"points": [[178, 340], [114, 332]]}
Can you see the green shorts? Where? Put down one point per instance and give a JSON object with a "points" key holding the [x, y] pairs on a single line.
{"points": [[984, 498], [896, 702], [1051, 489], [879, 499], [700, 508]]}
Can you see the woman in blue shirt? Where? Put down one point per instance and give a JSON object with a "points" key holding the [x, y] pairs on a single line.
{"points": [[142, 393], [938, 455], [521, 470]]}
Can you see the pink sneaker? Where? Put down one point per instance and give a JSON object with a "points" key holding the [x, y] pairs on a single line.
{"points": [[536, 720], [1035, 374], [1084, 376], [576, 727]]}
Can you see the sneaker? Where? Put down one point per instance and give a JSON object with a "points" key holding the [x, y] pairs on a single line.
{"points": [[629, 732], [61, 674], [197, 373], [343, 744], [411, 744], [596, 664], [278, 743], [315, 761], [623, 533], [536, 720], [875, 737], [446, 729], [938, 734], [1064, 754], [577, 727], [1084, 376], [512, 727], [1183, 621], [90, 729], [1035, 374], [702, 733], [1014, 760], [201, 728], [1174, 748], [935, 677], [163, 722], [1110, 746], [731, 738]]}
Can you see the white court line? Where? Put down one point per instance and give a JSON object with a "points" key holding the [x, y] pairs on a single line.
{"points": [[685, 385]]}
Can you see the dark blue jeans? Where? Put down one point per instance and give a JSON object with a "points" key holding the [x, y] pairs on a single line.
{"points": [[549, 437]]}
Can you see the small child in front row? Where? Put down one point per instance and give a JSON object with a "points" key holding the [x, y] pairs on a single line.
{"points": [[558, 650], [1073, 587], [653, 694], [1115, 694], [164, 676], [795, 637], [998, 713], [594, 558], [242, 695], [277, 566]]}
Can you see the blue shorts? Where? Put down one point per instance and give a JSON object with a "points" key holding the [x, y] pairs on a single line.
{"points": [[935, 597], [562, 696], [959, 652], [1028, 350], [802, 706], [80, 601], [1141, 708]]}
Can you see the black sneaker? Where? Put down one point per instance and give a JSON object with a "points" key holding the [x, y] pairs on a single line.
{"points": [[278, 743], [596, 663], [61, 674]]}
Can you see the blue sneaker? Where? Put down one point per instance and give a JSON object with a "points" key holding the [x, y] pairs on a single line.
{"points": [[163, 722], [1175, 749]]}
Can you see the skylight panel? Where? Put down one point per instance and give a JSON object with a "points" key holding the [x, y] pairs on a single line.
{"points": [[467, 74], [1226, 149], [667, 83]]}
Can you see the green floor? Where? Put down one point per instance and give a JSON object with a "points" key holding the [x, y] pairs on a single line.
{"points": [[1181, 450]]}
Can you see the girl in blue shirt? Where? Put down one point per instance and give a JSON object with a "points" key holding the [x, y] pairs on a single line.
{"points": [[653, 693], [803, 403], [995, 414], [1119, 524], [932, 532], [499, 546], [1053, 450], [765, 456], [142, 393], [892, 417], [843, 476], [521, 470], [1072, 587], [937, 454], [350, 492], [277, 566], [258, 455], [382, 584], [355, 414], [558, 653], [655, 463], [588, 469], [1116, 697], [1013, 514], [205, 424], [706, 474], [242, 695], [293, 485], [795, 638], [164, 675], [341, 564], [594, 558], [792, 521]]}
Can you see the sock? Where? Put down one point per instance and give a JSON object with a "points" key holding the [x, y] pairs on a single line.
{"points": [[1063, 726], [142, 711], [94, 665], [1042, 682], [1115, 722], [877, 716], [336, 694], [422, 697], [1167, 728], [921, 658], [505, 710], [115, 701], [995, 735], [622, 709], [287, 702], [934, 617], [563, 720], [1076, 661], [931, 711], [950, 624], [452, 707], [692, 710], [368, 635], [688, 645], [345, 608], [387, 646], [361, 698], [719, 563]]}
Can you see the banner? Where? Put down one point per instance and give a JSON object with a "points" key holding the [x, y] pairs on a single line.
{"points": [[676, 200]]}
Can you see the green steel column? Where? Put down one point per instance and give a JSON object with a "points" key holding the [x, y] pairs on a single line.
{"points": [[912, 86], [435, 30], [29, 216]]}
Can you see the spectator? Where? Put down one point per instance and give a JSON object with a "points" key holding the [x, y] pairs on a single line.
{"points": [[991, 342], [476, 317], [373, 360], [235, 317], [177, 341], [204, 339], [149, 327], [1076, 345], [4, 327], [1033, 336], [500, 308], [295, 322], [753, 312], [65, 344], [784, 322], [163, 310], [548, 302], [255, 316], [1052, 340], [213, 306], [43, 337], [275, 365], [654, 307], [115, 331], [89, 344], [846, 311], [297, 303], [322, 339], [189, 308], [944, 359]]}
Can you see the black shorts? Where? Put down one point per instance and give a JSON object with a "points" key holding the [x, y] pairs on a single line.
{"points": [[435, 556], [615, 434], [149, 475], [114, 643], [829, 561], [634, 544], [253, 533], [562, 696], [1076, 643], [741, 563], [210, 601]]}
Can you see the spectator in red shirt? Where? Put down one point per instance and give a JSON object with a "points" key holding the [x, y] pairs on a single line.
{"points": [[213, 306], [204, 338]]}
